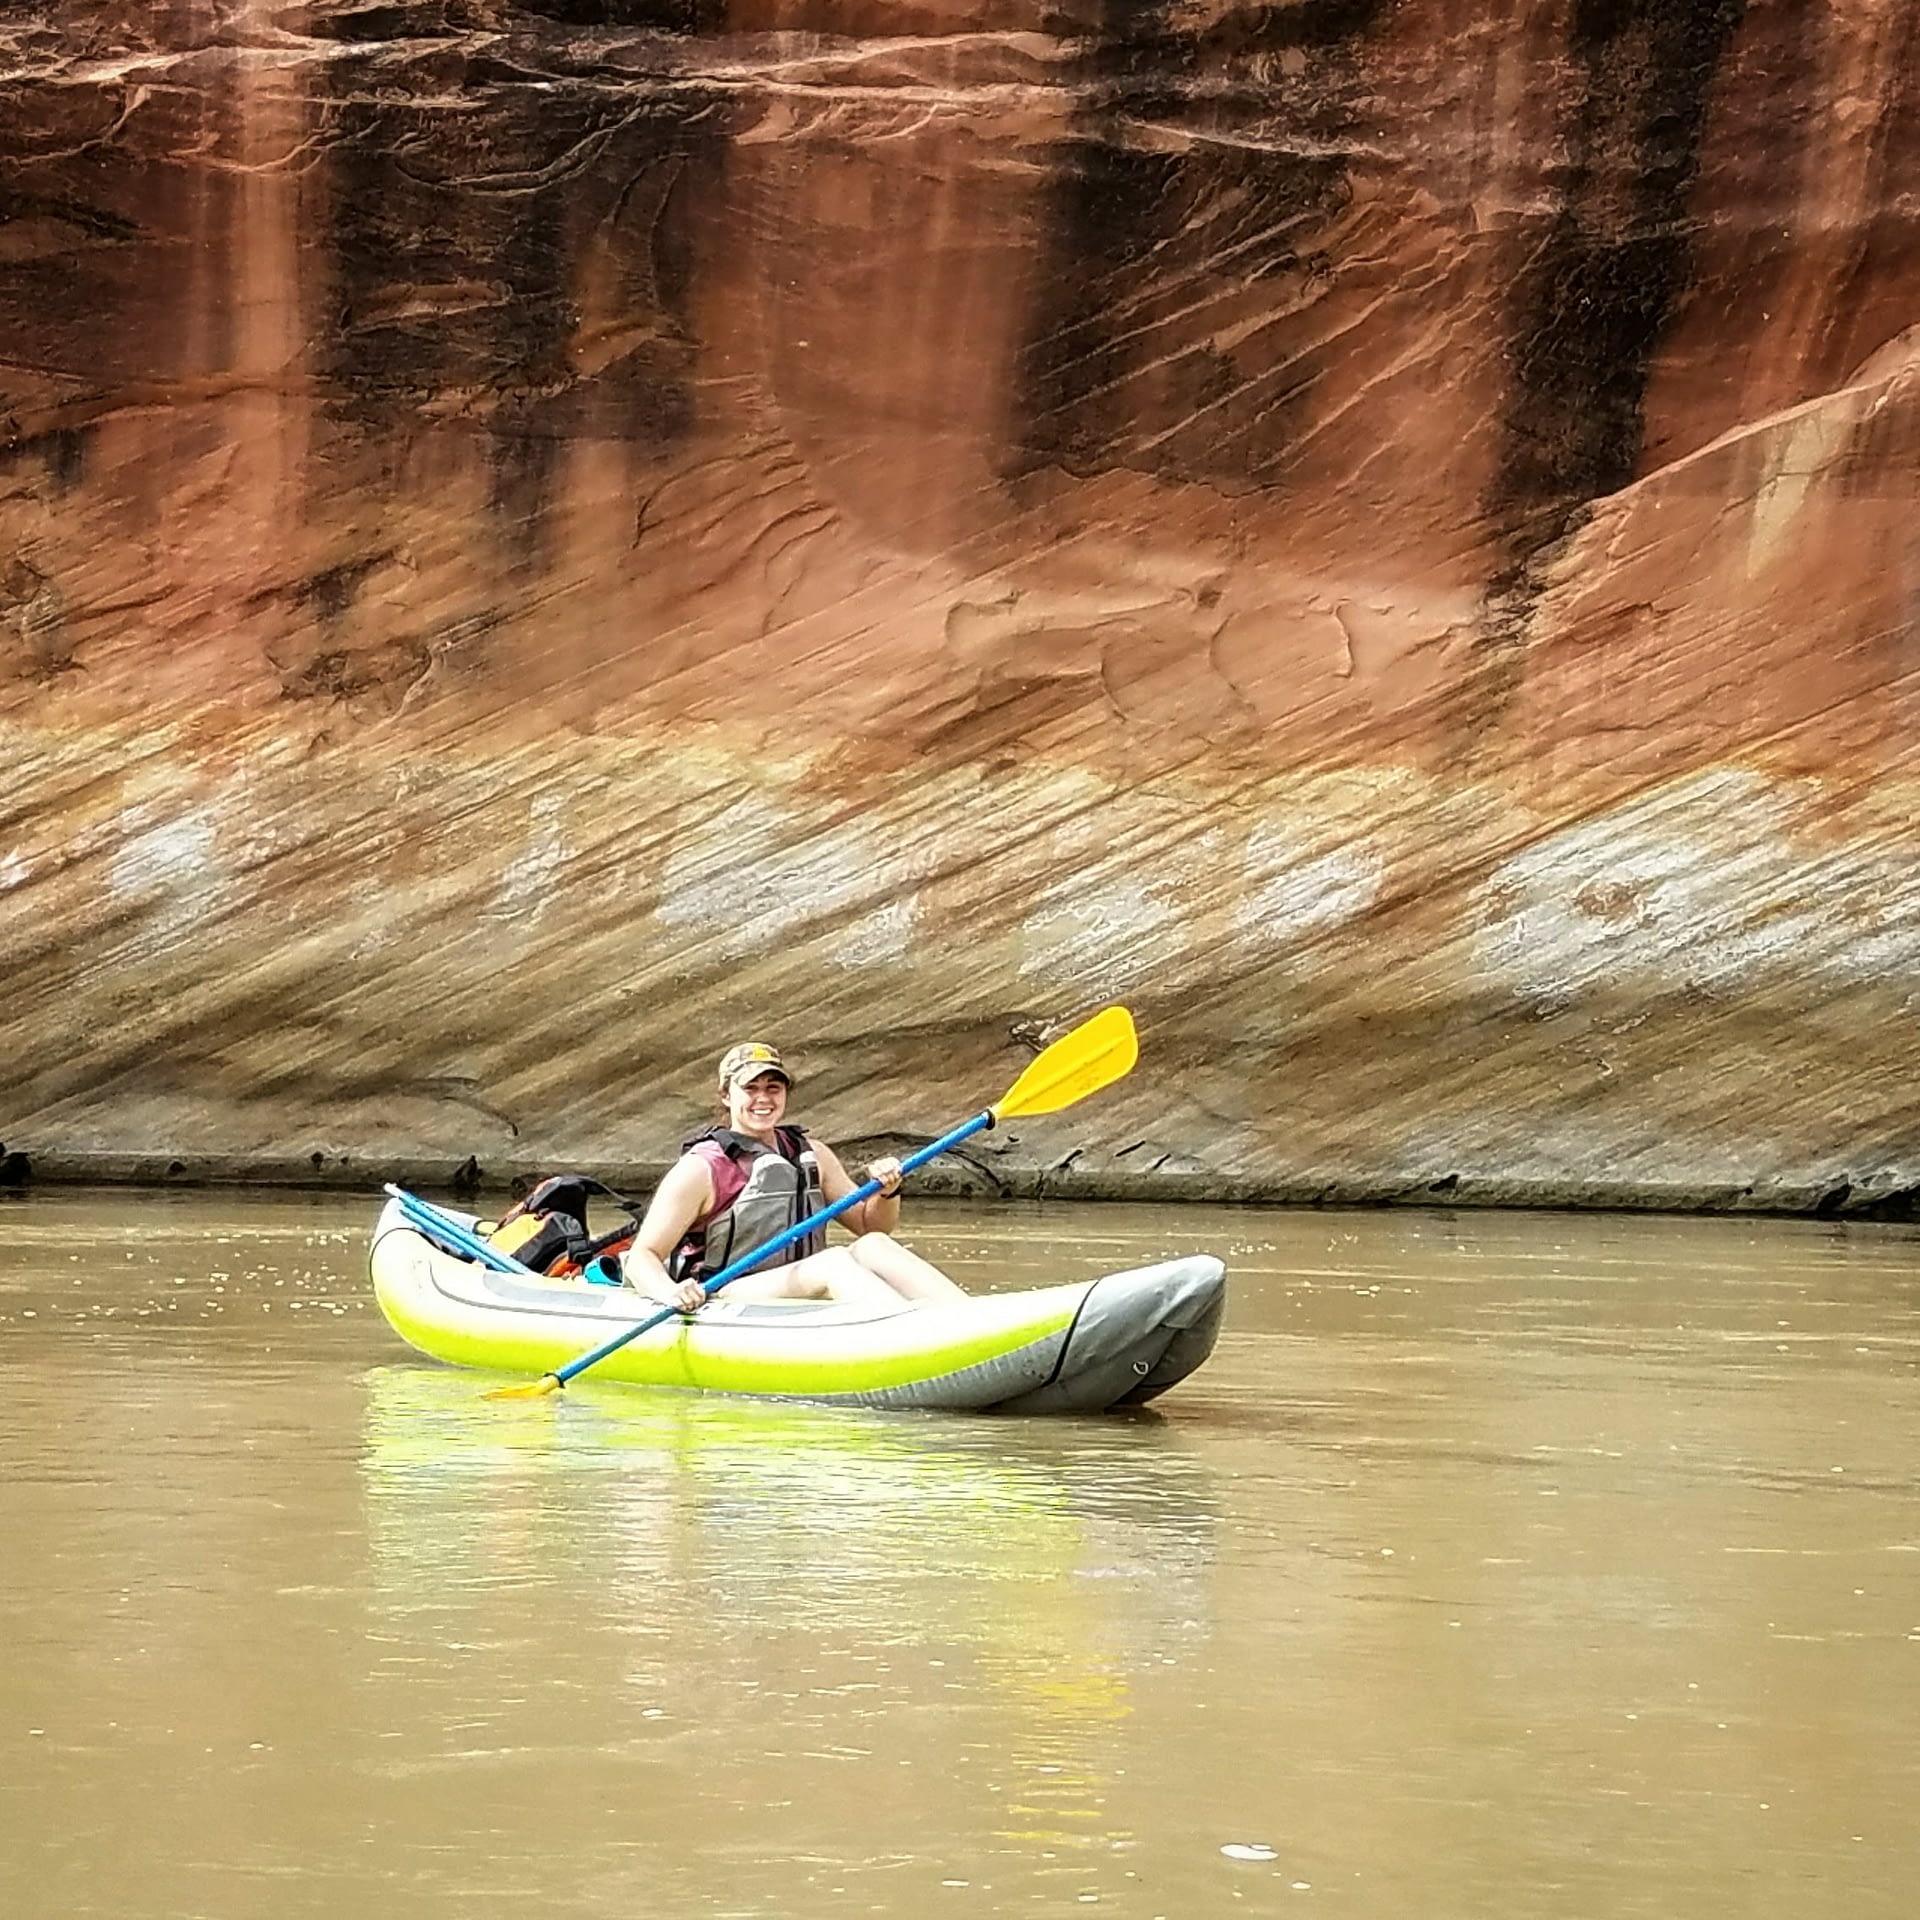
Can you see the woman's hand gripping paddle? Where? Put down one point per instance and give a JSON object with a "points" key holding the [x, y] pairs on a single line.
{"points": [[1094, 1055]]}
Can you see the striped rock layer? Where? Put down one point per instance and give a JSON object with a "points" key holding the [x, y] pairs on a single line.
{"points": [[539, 540]]}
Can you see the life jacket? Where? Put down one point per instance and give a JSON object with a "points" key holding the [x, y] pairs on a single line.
{"points": [[547, 1230], [758, 1192]]}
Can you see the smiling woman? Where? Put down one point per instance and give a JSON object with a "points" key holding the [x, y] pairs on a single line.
{"points": [[741, 1184]]}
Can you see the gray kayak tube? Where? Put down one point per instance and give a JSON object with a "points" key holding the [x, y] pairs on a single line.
{"points": [[1134, 1335], [1116, 1356]]}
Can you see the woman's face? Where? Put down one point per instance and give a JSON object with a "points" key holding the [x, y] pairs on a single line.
{"points": [[755, 1106]]}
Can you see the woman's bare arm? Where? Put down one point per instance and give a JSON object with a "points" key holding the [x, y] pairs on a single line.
{"points": [[878, 1213], [683, 1195]]}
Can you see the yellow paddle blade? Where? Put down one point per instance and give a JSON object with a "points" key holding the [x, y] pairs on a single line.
{"points": [[534, 1390], [1094, 1055]]}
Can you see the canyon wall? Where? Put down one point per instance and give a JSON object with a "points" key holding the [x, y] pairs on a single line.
{"points": [[539, 540]]}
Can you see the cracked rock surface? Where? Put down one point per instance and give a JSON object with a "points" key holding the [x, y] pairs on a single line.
{"points": [[539, 540]]}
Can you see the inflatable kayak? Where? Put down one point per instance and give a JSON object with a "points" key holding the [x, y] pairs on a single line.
{"points": [[1117, 1341]]}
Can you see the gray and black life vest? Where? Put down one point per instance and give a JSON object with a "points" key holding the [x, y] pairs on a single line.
{"points": [[760, 1191]]}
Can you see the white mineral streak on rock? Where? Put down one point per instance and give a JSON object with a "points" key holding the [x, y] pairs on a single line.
{"points": [[1104, 869], [169, 868], [1695, 885], [1886, 943], [1106, 935], [529, 881], [13, 871], [1868, 898], [878, 939], [757, 872], [1295, 884]]}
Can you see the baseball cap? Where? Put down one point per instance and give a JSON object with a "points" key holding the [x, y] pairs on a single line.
{"points": [[749, 1058]]}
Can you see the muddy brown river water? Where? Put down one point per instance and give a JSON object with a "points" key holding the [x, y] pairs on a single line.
{"points": [[1497, 1566]]}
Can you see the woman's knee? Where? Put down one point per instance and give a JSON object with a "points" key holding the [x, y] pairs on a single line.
{"points": [[779, 1283], [819, 1272]]}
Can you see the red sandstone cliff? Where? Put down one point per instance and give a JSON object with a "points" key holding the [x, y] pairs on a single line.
{"points": [[537, 539]]}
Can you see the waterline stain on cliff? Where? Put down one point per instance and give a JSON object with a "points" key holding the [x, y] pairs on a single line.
{"points": [[380, 20], [61, 452], [682, 17], [1598, 293], [489, 214], [1189, 238], [64, 270]]}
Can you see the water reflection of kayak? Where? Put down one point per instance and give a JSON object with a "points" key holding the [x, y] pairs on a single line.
{"points": [[807, 1513], [1116, 1341], [1040, 1567]]}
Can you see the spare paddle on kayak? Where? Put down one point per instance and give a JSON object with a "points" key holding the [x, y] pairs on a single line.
{"points": [[1094, 1055], [454, 1234]]}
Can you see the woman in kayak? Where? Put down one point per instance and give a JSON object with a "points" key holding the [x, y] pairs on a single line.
{"points": [[743, 1182]]}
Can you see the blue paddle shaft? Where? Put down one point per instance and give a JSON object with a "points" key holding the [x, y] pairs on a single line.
{"points": [[423, 1213], [798, 1231]]}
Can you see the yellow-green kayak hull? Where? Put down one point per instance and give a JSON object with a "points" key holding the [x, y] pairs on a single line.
{"points": [[1118, 1340]]}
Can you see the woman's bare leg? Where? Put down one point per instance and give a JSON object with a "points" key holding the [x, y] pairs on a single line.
{"points": [[831, 1275], [777, 1283], [903, 1269]]}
